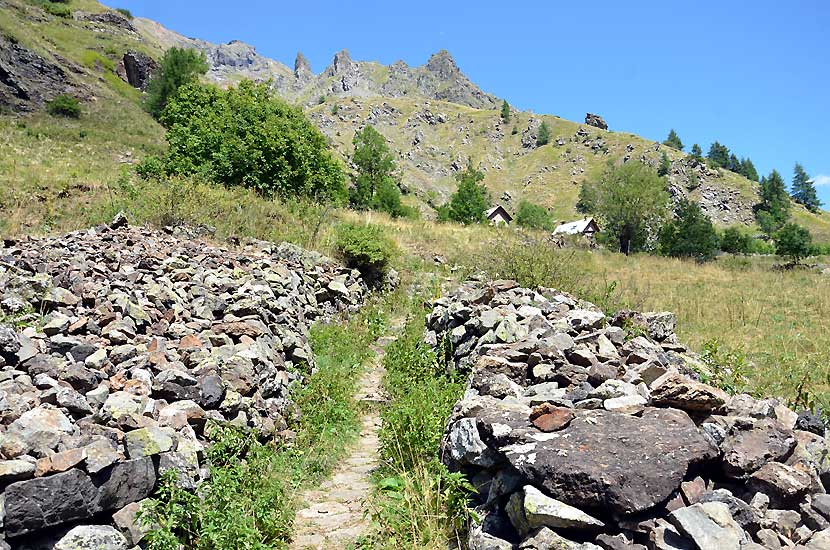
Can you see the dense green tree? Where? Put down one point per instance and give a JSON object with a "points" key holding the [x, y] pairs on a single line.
{"points": [[748, 170], [534, 216], [664, 167], [734, 164], [630, 201], [179, 66], [673, 141], [773, 211], [697, 152], [505, 111], [374, 185], [803, 190], [794, 242], [734, 242], [470, 201], [719, 155], [690, 234], [543, 136], [247, 136]]}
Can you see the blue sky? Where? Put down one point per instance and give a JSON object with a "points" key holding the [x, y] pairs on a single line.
{"points": [[754, 75]]}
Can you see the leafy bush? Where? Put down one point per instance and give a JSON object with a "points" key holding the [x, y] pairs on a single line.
{"points": [[735, 242], [690, 235], [151, 167], [64, 105], [534, 216], [366, 248], [793, 242], [125, 12], [58, 8], [179, 66], [246, 136]]}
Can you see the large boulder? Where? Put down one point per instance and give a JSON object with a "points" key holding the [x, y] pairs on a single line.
{"points": [[596, 121], [590, 463]]}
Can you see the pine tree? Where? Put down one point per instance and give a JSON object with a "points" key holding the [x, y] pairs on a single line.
{"points": [[774, 209], [697, 152], [734, 164], [543, 137], [673, 141], [803, 190], [748, 170], [505, 111], [179, 66], [719, 155]]}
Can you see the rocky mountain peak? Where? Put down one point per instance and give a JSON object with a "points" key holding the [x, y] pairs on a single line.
{"points": [[442, 64], [302, 68], [341, 63]]}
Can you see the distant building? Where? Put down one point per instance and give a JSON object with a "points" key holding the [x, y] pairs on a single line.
{"points": [[498, 215], [587, 227]]}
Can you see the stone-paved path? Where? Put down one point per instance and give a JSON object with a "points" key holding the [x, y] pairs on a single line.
{"points": [[334, 514]]}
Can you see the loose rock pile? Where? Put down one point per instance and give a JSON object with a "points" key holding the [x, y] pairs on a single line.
{"points": [[583, 431], [119, 344]]}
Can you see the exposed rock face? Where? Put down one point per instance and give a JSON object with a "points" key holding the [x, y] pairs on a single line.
{"points": [[149, 340], [596, 121], [27, 80], [302, 68], [579, 427], [106, 19], [136, 69]]}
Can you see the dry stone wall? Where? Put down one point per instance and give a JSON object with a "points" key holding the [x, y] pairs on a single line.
{"points": [[583, 431], [119, 345]]}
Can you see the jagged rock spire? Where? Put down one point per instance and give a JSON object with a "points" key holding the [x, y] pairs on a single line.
{"points": [[442, 64], [302, 68]]}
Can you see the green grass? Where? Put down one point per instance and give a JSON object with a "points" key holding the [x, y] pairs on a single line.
{"points": [[417, 503], [253, 493]]}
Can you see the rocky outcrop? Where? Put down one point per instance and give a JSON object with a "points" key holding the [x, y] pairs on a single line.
{"points": [[121, 347], [583, 431], [28, 81], [302, 68], [136, 69], [106, 20], [595, 121]]}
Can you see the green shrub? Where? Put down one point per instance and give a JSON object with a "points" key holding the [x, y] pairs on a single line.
{"points": [[760, 246], [735, 242], [64, 105], [543, 136], [246, 136], [690, 235], [125, 12], [58, 8], [534, 216], [366, 248], [151, 167]]}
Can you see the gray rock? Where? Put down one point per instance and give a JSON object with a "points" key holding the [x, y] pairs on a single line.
{"points": [[92, 537], [709, 525], [46, 502], [543, 511]]}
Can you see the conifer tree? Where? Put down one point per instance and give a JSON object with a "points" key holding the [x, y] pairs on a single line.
{"points": [[734, 164], [803, 190], [505, 111], [748, 170], [719, 155], [774, 209], [697, 152], [673, 141], [665, 165]]}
